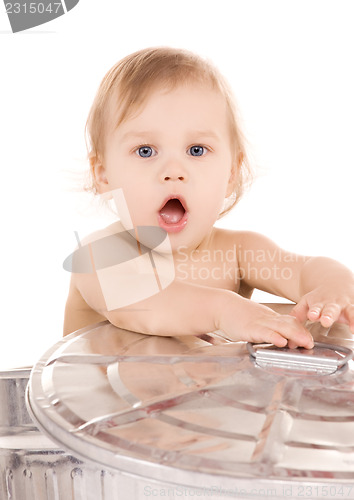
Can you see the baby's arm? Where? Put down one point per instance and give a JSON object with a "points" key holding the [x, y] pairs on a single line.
{"points": [[188, 309], [77, 312], [322, 288]]}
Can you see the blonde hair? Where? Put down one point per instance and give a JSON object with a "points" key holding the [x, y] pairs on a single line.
{"points": [[129, 83]]}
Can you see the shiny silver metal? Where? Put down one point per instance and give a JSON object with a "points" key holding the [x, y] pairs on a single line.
{"points": [[29, 461], [200, 417], [324, 359], [13, 411], [33, 467], [132, 417]]}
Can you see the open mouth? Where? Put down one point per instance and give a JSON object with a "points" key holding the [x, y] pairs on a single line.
{"points": [[173, 215]]}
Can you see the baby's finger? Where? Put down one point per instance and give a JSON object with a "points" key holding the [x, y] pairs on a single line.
{"points": [[347, 316], [275, 338], [296, 334], [330, 313], [292, 344], [315, 311], [350, 314], [300, 310], [263, 334]]}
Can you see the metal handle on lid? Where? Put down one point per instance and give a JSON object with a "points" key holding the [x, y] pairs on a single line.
{"points": [[301, 359]]}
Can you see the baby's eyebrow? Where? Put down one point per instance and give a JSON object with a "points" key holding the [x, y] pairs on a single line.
{"points": [[137, 135], [205, 134], [192, 134]]}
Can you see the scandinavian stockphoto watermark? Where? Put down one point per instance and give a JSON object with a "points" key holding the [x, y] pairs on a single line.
{"points": [[225, 264], [26, 14]]}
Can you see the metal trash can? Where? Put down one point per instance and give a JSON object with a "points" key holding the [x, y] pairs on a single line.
{"points": [[186, 417]]}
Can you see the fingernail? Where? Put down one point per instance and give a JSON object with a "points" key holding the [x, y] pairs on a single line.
{"points": [[327, 320]]}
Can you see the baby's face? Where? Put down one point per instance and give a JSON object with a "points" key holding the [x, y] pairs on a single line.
{"points": [[177, 147]]}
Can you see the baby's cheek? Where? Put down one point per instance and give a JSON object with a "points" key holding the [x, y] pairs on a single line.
{"points": [[123, 207]]}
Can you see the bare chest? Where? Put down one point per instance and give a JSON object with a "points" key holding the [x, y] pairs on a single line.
{"points": [[208, 267]]}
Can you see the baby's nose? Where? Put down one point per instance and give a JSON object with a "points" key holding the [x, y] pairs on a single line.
{"points": [[174, 171], [174, 178]]}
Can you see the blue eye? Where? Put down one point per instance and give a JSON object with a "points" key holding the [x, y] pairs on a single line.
{"points": [[197, 151], [145, 151]]}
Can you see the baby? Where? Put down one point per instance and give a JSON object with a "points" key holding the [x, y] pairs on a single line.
{"points": [[166, 147]]}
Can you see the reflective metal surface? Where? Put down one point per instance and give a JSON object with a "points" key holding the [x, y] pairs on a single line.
{"points": [[202, 413], [324, 359], [33, 467]]}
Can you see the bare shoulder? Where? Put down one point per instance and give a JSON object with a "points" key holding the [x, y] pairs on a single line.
{"points": [[85, 304], [244, 240], [253, 245], [114, 228], [239, 236], [266, 266], [224, 238]]}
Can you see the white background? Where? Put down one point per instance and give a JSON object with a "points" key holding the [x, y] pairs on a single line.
{"points": [[290, 64]]}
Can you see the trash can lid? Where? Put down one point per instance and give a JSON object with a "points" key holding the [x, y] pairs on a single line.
{"points": [[188, 409]]}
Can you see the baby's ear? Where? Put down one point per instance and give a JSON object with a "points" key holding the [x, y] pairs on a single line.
{"points": [[98, 172], [235, 168]]}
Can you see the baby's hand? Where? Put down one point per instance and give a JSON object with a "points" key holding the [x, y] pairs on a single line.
{"points": [[254, 322], [327, 304]]}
